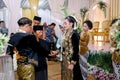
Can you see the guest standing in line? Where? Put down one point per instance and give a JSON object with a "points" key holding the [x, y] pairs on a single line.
{"points": [[51, 38], [3, 28], [84, 40], [41, 72], [59, 42], [36, 21]]}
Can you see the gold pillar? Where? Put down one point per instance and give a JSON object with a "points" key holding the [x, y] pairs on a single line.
{"points": [[116, 8], [32, 11], [34, 7], [26, 13], [119, 8]]}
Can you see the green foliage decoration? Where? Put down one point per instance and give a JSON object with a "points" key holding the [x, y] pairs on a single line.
{"points": [[83, 12], [66, 13], [102, 5], [101, 59], [3, 41]]}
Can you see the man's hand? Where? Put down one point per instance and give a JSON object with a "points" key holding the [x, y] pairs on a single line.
{"points": [[54, 53], [71, 66], [53, 32]]}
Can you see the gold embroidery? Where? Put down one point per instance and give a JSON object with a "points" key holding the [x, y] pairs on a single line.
{"points": [[67, 45], [33, 61]]}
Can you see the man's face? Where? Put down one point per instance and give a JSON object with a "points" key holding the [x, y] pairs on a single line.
{"points": [[38, 33], [52, 27], [2, 24], [35, 22]]}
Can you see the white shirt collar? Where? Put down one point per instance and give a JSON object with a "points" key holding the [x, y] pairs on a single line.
{"points": [[19, 30]]}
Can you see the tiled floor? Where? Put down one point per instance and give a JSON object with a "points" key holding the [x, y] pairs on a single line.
{"points": [[54, 70]]}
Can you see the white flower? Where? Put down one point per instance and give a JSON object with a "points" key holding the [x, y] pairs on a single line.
{"points": [[3, 42]]}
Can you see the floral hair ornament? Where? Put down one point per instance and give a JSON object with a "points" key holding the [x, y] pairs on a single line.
{"points": [[77, 25]]}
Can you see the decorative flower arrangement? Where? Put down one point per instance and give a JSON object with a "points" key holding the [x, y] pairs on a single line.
{"points": [[65, 10], [3, 42], [102, 5], [100, 74], [101, 59], [83, 12], [79, 27]]}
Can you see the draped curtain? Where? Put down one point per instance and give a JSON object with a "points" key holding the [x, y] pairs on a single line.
{"points": [[115, 9], [14, 10], [45, 15], [56, 14], [55, 7], [44, 11]]}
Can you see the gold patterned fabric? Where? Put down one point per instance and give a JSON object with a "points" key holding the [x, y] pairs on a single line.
{"points": [[66, 73], [25, 71], [67, 54], [84, 40], [67, 45]]}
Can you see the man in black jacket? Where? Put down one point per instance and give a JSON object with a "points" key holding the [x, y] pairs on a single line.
{"points": [[27, 48]]}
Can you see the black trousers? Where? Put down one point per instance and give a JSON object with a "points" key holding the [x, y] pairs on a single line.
{"points": [[41, 75], [77, 72]]}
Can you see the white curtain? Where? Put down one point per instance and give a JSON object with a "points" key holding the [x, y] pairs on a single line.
{"points": [[14, 10], [56, 15], [55, 6], [44, 11], [45, 15], [75, 6]]}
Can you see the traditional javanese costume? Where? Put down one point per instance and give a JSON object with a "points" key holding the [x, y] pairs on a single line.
{"points": [[84, 40], [28, 50], [115, 53], [41, 72], [70, 45]]}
